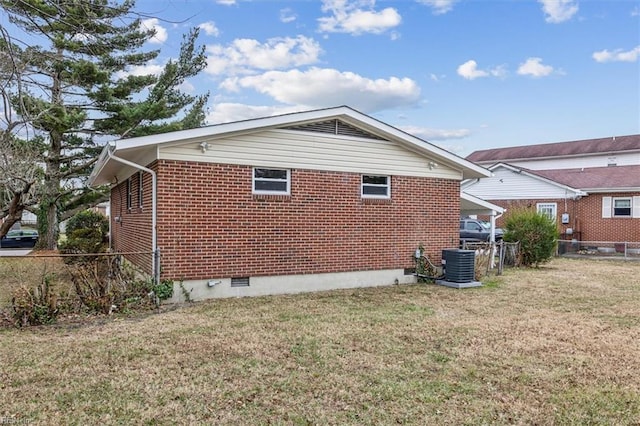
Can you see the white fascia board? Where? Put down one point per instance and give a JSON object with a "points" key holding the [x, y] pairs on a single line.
{"points": [[99, 165], [225, 129], [605, 190], [468, 169]]}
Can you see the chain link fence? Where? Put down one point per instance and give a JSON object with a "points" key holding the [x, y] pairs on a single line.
{"points": [[38, 288], [610, 249]]}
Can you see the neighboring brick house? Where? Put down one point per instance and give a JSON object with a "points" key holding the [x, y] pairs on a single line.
{"points": [[314, 200], [590, 187]]}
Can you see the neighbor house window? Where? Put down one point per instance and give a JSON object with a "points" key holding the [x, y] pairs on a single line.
{"points": [[376, 186], [622, 207], [548, 209], [129, 194], [140, 189], [271, 181]]}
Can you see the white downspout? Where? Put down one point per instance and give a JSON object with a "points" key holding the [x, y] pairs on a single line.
{"points": [[493, 237], [154, 209], [494, 216]]}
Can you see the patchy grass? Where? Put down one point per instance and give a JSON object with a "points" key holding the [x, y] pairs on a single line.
{"points": [[556, 345]]}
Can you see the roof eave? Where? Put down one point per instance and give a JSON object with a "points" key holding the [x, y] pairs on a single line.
{"points": [[94, 177], [613, 189]]}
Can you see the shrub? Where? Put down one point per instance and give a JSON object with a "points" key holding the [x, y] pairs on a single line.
{"points": [[536, 233], [35, 306], [87, 232], [101, 283]]}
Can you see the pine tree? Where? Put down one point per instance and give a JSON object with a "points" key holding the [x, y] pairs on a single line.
{"points": [[75, 93]]}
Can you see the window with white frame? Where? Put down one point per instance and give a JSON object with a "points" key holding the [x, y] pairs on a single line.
{"points": [[376, 186], [140, 193], [129, 194], [622, 207], [550, 210], [271, 181]]}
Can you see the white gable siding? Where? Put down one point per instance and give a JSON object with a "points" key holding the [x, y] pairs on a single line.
{"points": [[603, 160], [315, 151], [509, 185]]}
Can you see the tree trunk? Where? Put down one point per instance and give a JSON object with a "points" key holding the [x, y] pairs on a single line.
{"points": [[15, 212], [53, 179], [51, 237]]}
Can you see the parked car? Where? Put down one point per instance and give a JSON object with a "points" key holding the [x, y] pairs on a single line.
{"points": [[23, 238], [475, 230]]}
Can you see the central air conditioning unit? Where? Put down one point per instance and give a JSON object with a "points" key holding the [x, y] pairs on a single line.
{"points": [[459, 265]]}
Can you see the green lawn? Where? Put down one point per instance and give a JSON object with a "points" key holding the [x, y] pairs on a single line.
{"points": [[558, 345]]}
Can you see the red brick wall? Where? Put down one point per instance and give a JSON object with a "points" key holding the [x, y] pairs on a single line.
{"points": [[211, 225], [585, 218], [597, 228], [131, 228], [568, 206]]}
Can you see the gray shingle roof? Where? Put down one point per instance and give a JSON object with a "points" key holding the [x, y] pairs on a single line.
{"points": [[615, 177], [613, 144]]}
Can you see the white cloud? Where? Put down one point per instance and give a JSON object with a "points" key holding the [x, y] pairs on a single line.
{"points": [[248, 55], [210, 28], [439, 7], [436, 134], [617, 55], [470, 71], [357, 17], [226, 2], [154, 24], [319, 87], [557, 11], [140, 70], [228, 112], [187, 87], [287, 15], [635, 11], [534, 68]]}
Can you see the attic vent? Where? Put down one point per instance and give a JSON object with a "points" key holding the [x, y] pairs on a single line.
{"points": [[240, 282], [335, 127]]}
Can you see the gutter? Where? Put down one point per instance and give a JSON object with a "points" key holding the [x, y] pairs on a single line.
{"points": [[155, 265]]}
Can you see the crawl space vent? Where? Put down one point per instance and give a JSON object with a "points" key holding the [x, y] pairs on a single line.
{"points": [[240, 282]]}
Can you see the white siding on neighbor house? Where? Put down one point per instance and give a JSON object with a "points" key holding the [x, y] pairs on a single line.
{"points": [[510, 185], [600, 160], [314, 151]]}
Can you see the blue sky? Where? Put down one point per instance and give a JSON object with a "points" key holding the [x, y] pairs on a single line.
{"points": [[462, 74]]}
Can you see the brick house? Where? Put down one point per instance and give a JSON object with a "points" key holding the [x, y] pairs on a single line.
{"points": [[307, 201], [590, 187]]}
